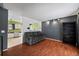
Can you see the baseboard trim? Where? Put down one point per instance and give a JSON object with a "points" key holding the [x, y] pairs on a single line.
{"points": [[3, 51], [53, 39]]}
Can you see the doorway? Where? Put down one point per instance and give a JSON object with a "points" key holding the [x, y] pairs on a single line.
{"points": [[14, 32], [69, 32]]}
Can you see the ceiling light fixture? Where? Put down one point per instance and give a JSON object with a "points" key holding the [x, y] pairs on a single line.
{"points": [[47, 22]]}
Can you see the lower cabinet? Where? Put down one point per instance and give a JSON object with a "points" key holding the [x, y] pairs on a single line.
{"points": [[33, 37]]}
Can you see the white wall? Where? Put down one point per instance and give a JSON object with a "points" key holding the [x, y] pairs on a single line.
{"points": [[26, 21], [14, 14]]}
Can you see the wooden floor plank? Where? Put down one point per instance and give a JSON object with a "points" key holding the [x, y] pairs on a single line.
{"points": [[43, 48]]}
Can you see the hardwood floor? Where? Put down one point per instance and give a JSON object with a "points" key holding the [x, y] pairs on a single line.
{"points": [[43, 48]]}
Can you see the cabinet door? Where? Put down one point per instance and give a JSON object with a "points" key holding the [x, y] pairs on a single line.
{"points": [[69, 32]]}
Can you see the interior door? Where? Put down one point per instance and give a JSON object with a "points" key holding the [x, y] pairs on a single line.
{"points": [[69, 32]]}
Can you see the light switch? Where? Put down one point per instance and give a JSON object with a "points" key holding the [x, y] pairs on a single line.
{"points": [[2, 31]]}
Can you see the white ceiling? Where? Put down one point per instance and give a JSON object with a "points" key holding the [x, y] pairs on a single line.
{"points": [[44, 11]]}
